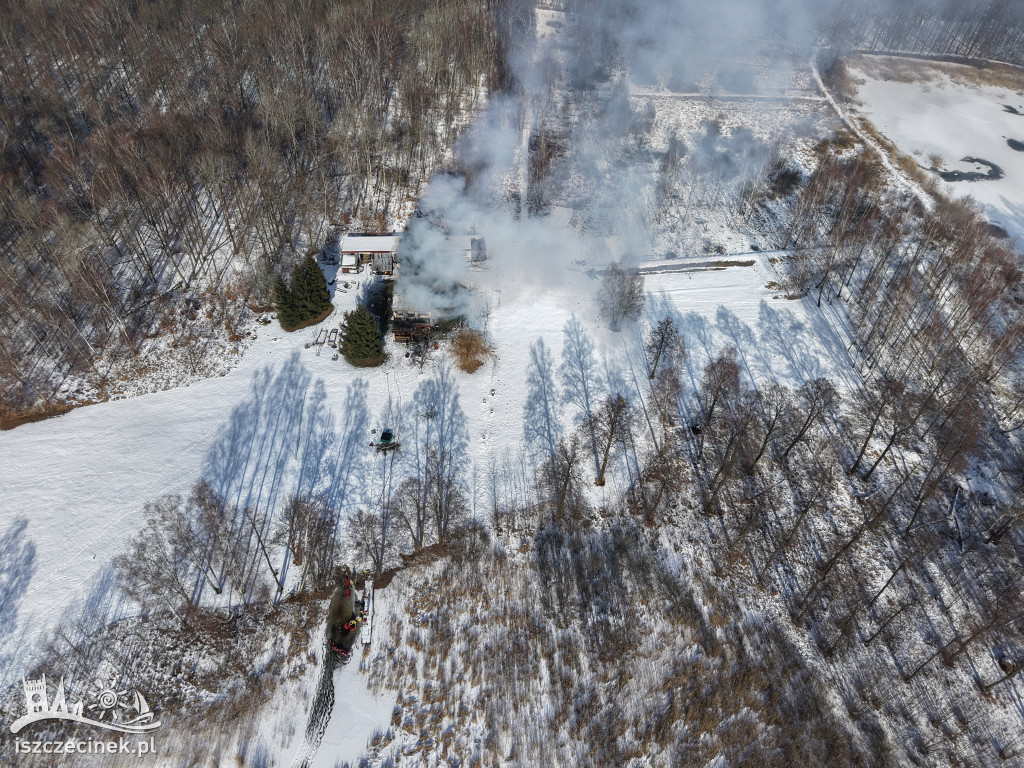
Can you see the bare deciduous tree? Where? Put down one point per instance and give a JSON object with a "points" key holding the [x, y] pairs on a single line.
{"points": [[409, 506], [621, 296], [374, 538], [306, 529], [664, 342], [561, 479], [814, 399], [611, 424]]}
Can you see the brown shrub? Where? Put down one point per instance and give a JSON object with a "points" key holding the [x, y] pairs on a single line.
{"points": [[838, 79], [9, 418], [471, 349], [838, 142]]}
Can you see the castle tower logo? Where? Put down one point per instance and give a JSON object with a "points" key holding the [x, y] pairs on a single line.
{"points": [[110, 709]]}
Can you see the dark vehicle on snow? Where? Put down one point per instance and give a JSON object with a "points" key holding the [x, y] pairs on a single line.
{"points": [[344, 619]]}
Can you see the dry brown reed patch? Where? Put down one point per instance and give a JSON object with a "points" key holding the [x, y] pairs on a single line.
{"points": [[471, 349], [907, 70]]}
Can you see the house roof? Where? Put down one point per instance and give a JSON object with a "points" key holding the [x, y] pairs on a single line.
{"points": [[369, 244], [349, 259]]}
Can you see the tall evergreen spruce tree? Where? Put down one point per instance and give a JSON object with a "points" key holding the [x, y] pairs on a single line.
{"points": [[306, 299], [361, 340], [309, 289], [284, 303]]}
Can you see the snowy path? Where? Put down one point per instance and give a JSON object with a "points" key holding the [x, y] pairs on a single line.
{"points": [[343, 714], [895, 173], [354, 717]]}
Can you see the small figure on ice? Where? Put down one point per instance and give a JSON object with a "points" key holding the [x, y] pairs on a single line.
{"points": [[344, 618]]}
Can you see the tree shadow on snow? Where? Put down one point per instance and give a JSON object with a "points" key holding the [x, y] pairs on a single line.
{"points": [[783, 335], [77, 640], [17, 567], [285, 439], [541, 427], [582, 383], [438, 432], [315, 438], [741, 337], [246, 465], [693, 329], [74, 647], [347, 456]]}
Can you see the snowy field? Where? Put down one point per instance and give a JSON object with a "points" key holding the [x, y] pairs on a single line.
{"points": [[287, 419], [941, 112]]}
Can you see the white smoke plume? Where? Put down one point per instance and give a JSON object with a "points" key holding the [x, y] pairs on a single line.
{"points": [[556, 174]]}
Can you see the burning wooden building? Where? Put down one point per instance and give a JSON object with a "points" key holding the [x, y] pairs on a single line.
{"points": [[408, 324]]}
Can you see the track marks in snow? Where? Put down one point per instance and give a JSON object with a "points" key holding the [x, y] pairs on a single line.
{"points": [[319, 713]]}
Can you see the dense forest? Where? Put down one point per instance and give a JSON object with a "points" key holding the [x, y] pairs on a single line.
{"points": [[993, 29], [158, 155]]}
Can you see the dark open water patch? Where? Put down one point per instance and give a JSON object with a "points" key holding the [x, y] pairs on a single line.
{"points": [[1016, 145], [993, 173]]}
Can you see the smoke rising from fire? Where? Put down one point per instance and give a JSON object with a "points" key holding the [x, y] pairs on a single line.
{"points": [[559, 175]]}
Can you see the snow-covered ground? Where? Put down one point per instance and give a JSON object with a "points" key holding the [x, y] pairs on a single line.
{"points": [[939, 112], [357, 715], [287, 419]]}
